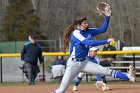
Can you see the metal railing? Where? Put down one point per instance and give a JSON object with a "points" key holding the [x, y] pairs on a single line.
{"points": [[131, 52]]}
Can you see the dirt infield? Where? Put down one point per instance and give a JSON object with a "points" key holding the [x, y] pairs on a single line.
{"points": [[83, 88]]}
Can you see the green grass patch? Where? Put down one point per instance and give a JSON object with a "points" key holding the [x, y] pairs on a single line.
{"points": [[13, 83]]}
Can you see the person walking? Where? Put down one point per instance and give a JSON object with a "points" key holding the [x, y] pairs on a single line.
{"points": [[30, 54]]}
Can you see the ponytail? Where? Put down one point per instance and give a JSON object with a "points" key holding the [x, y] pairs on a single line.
{"points": [[66, 36]]}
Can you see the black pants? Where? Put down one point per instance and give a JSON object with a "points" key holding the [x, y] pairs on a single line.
{"points": [[32, 71], [105, 63]]}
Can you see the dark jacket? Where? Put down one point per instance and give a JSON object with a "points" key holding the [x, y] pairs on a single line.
{"points": [[31, 53], [109, 48], [60, 62]]}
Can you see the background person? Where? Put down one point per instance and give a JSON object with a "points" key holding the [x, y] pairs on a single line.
{"points": [[59, 61], [58, 67], [92, 57], [106, 60], [30, 54]]}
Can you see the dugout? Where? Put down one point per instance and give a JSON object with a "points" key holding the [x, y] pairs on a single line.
{"points": [[132, 57]]}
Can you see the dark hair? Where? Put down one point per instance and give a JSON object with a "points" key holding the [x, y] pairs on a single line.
{"points": [[80, 21], [33, 36], [69, 30]]}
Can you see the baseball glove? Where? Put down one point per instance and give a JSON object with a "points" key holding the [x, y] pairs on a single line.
{"points": [[102, 86], [104, 9]]}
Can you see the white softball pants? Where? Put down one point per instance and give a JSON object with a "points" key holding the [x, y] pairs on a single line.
{"points": [[75, 67]]}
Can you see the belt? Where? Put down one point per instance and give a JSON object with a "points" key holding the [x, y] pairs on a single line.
{"points": [[78, 59]]}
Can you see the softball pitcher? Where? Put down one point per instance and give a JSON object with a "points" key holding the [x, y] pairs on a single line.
{"points": [[80, 35], [92, 56]]}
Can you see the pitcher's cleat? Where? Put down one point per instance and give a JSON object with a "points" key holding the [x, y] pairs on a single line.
{"points": [[75, 88], [131, 73]]}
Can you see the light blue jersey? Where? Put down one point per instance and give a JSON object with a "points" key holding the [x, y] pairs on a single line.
{"points": [[81, 40]]}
